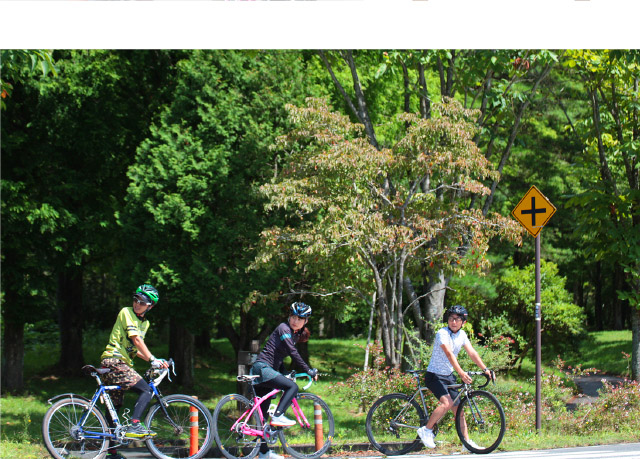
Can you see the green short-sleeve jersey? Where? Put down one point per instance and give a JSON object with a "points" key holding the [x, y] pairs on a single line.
{"points": [[120, 345]]}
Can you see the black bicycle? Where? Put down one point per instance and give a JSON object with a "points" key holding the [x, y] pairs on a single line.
{"points": [[74, 427], [394, 419]]}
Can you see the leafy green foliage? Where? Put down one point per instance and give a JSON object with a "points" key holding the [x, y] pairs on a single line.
{"points": [[512, 312], [19, 64], [192, 187], [360, 207]]}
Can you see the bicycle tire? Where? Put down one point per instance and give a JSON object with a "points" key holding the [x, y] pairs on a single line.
{"points": [[177, 440], [382, 426], [234, 444], [485, 421], [300, 440], [59, 425]]}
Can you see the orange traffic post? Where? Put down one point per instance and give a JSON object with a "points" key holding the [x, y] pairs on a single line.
{"points": [[317, 419], [193, 434]]}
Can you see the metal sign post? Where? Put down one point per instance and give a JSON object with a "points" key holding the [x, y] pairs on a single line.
{"points": [[538, 341], [534, 203]]}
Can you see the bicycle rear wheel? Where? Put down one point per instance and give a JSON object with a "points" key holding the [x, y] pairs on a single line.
{"points": [[311, 436], [63, 436], [482, 417], [392, 424], [185, 431], [226, 430]]}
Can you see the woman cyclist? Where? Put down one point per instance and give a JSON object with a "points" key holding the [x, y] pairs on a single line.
{"points": [[448, 343], [270, 367]]}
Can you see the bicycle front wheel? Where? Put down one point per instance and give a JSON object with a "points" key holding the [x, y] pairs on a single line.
{"points": [[480, 422], [184, 428], [227, 430], [65, 437], [392, 424], [311, 436]]}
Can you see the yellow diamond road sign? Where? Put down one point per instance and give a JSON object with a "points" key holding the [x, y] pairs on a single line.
{"points": [[533, 211]]}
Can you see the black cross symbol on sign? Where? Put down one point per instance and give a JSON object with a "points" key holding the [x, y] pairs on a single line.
{"points": [[533, 211]]}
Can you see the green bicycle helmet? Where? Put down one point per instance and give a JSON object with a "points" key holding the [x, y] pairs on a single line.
{"points": [[150, 292]]}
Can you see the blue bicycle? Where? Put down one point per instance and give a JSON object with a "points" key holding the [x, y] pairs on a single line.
{"points": [[75, 428]]}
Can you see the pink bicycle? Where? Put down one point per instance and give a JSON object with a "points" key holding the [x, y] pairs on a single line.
{"points": [[238, 424]]}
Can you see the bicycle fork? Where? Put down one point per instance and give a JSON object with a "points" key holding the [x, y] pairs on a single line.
{"points": [[475, 412], [156, 393]]}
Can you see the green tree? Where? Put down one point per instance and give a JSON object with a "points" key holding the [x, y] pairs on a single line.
{"points": [[338, 184], [66, 143], [500, 84], [511, 312], [17, 65], [192, 205], [610, 204]]}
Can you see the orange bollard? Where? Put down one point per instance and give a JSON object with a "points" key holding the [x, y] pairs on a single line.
{"points": [[317, 420], [193, 431]]}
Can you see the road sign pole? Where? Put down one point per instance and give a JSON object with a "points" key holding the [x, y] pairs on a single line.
{"points": [[538, 340], [533, 212]]}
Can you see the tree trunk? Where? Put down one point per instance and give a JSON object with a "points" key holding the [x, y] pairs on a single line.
{"points": [[617, 302], [181, 349], [203, 341], [12, 356], [433, 304], [415, 304], [635, 344], [597, 297], [70, 320]]}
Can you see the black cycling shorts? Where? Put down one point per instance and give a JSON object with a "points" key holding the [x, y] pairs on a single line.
{"points": [[438, 385]]}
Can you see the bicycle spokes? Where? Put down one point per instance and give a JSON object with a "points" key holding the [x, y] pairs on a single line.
{"points": [[233, 436], [392, 424], [480, 422], [311, 436]]}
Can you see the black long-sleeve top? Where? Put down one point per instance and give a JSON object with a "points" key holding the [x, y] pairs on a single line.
{"points": [[282, 343]]}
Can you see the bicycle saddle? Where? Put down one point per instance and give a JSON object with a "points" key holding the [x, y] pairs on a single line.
{"points": [[247, 378], [90, 369]]}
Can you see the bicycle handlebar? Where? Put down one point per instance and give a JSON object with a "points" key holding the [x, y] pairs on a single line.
{"points": [[158, 374], [302, 375], [416, 373], [489, 378]]}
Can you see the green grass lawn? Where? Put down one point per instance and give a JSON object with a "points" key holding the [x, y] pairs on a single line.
{"points": [[604, 351], [21, 416]]}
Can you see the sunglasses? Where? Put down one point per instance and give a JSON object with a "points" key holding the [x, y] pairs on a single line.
{"points": [[139, 301]]}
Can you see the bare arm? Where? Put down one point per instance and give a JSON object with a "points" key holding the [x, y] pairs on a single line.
{"points": [[143, 351], [473, 354]]}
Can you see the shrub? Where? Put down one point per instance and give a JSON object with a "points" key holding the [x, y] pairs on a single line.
{"points": [[562, 321], [365, 387]]}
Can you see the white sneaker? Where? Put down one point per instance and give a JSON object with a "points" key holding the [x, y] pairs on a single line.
{"points": [[270, 455], [426, 435], [472, 444], [281, 421]]}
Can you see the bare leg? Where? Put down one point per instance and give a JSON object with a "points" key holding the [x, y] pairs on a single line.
{"points": [[445, 404], [463, 423]]}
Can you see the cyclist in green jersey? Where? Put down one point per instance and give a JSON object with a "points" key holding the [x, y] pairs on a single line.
{"points": [[125, 343]]}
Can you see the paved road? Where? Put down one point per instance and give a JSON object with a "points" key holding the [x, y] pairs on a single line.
{"points": [[621, 451]]}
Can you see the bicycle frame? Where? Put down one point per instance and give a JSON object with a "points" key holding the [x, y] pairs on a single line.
{"points": [[464, 390], [103, 394], [257, 402]]}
